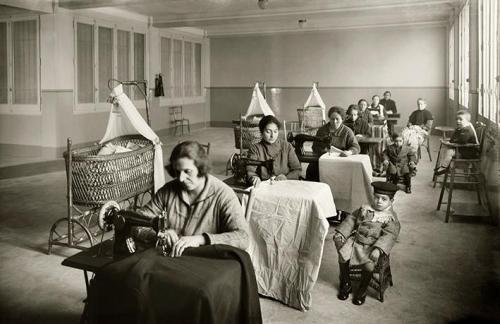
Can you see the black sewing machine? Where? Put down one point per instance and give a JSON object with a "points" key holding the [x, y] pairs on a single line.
{"points": [[298, 143], [112, 217], [238, 164]]}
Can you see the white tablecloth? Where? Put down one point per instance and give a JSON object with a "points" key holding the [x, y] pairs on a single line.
{"points": [[349, 178], [288, 227]]}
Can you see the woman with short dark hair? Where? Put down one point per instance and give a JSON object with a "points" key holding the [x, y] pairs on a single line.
{"points": [[358, 125], [286, 165], [340, 139], [199, 208], [364, 112]]}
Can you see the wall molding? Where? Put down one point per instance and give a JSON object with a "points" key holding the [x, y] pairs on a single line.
{"points": [[333, 87]]}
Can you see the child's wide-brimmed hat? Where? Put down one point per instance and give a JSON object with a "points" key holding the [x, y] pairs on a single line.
{"points": [[384, 188]]}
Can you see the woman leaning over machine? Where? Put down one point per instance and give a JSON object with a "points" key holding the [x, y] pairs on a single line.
{"points": [[338, 138], [286, 165]]}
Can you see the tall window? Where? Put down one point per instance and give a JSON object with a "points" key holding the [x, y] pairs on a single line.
{"points": [[19, 65], [463, 44], [489, 94], [181, 69], [104, 52], [451, 63]]}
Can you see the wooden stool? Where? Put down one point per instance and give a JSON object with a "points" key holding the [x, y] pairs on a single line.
{"points": [[382, 276]]}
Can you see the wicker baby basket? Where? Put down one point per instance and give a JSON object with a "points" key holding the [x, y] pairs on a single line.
{"points": [[250, 134], [97, 179], [310, 117]]}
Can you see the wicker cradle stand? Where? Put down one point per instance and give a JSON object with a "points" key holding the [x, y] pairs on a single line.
{"points": [[97, 179]]}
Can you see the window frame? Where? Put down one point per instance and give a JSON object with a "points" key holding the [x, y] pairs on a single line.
{"points": [[488, 61], [464, 55], [96, 106], [451, 63], [11, 108], [193, 39]]}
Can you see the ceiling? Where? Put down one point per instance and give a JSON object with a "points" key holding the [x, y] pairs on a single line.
{"points": [[223, 17]]}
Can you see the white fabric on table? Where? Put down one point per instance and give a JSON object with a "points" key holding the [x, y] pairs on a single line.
{"points": [[288, 227], [349, 178], [124, 119], [258, 105], [314, 100]]}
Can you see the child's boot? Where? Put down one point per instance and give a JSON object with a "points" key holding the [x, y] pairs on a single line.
{"points": [[360, 296], [345, 282]]}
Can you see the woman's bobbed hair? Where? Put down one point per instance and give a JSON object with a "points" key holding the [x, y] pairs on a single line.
{"points": [[191, 150]]}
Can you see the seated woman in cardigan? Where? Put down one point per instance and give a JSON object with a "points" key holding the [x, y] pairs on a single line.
{"points": [[286, 165], [199, 208], [419, 125], [338, 138], [363, 236]]}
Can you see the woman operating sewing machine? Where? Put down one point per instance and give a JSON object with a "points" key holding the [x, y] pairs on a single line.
{"points": [[199, 208], [286, 165], [341, 140]]}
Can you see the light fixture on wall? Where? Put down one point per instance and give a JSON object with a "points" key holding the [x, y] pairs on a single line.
{"points": [[302, 23], [263, 4]]}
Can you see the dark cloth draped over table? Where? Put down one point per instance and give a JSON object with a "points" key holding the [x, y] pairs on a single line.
{"points": [[208, 284]]}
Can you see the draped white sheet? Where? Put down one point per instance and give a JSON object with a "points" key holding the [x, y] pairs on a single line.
{"points": [[315, 100], [258, 105], [124, 119]]}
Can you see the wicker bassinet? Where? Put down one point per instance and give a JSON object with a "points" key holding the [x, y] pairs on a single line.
{"points": [[250, 134], [100, 178]]}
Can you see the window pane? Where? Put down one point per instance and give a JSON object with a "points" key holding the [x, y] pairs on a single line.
{"points": [[177, 68], [24, 45], [105, 47], [197, 68], [85, 62], [188, 52], [166, 70], [138, 62], [3, 63], [123, 64]]}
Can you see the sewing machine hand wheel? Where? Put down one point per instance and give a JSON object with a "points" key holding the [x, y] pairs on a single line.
{"points": [[107, 214]]}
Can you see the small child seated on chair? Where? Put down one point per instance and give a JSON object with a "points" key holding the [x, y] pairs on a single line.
{"points": [[400, 161], [363, 236], [463, 134]]}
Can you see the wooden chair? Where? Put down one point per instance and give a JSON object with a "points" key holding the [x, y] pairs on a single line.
{"points": [[178, 120], [468, 172], [427, 145], [382, 276]]}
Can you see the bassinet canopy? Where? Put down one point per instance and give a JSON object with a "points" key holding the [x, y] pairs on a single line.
{"points": [[258, 105], [315, 100], [124, 119]]}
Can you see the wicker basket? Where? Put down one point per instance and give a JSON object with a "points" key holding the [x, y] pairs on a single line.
{"points": [[311, 117], [251, 135], [119, 176]]}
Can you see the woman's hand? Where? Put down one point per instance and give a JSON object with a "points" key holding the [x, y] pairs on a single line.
{"points": [[168, 238], [185, 242], [280, 177], [339, 240], [255, 181]]}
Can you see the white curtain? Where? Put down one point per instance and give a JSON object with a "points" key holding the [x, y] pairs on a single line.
{"points": [[3, 64], [197, 67], [125, 119], [139, 63], [105, 63], [85, 62], [166, 67], [177, 68], [188, 52], [123, 57], [24, 45]]}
